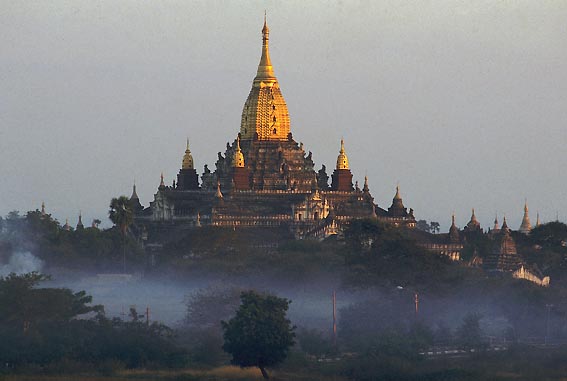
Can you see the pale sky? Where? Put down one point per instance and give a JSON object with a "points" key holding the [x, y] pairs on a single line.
{"points": [[463, 103]]}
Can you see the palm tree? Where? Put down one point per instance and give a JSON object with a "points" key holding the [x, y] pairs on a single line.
{"points": [[121, 215]]}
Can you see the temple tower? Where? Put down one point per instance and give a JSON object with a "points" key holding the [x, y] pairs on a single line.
{"points": [[265, 115], [526, 226], [135, 200], [454, 236], [397, 209], [341, 179], [187, 178], [80, 222], [240, 175], [496, 227], [274, 161], [473, 224], [504, 256]]}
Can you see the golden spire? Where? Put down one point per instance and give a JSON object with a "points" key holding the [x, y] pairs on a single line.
{"points": [[187, 162], [496, 224], [537, 223], [265, 69], [365, 188], [473, 217], [342, 159], [397, 196], [526, 226], [238, 161], [218, 194], [504, 224], [265, 115]]}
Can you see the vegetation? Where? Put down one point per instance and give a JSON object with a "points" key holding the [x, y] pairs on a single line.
{"points": [[259, 335], [380, 335], [122, 216], [55, 329], [44, 237]]}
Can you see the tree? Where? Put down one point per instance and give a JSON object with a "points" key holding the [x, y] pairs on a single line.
{"points": [[434, 227], [469, 334], [323, 178], [423, 225], [24, 305], [121, 215], [260, 334], [552, 234], [221, 302]]}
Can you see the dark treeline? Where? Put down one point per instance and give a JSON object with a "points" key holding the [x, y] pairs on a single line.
{"points": [[55, 329], [79, 248]]}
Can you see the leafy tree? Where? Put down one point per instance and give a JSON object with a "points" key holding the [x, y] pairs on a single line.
{"points": [[121, 215], [423, 225], [23, 305], [551, 234], [48, 326], [212, 301], [323, 178], [435, 227], [260, 334], [469, 334]]}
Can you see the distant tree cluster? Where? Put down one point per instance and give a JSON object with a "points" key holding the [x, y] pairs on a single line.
{"points": [[45, 237], [47, 327], [378, 254], [430, 227]]}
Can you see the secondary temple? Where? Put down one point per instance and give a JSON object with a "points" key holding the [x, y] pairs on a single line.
{"points": [[265, 179]]}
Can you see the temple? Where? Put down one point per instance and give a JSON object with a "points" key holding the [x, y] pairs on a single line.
{"points": [[265, 186], [265, 179]]}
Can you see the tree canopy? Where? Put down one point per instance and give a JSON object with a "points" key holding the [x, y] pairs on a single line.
{"points": [[260, 334], [120, 213]]}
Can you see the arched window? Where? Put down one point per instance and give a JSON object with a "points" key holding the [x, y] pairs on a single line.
{"points": [[275, 131]]}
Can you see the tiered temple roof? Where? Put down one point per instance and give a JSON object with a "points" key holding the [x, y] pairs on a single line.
{"points": [[265, 178]]}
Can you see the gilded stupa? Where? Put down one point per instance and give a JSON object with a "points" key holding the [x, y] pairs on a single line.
{"points": [[526, 225], [265, 115]]}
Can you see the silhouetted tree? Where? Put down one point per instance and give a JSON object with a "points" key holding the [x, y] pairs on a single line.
{"points": [[469, 334], [121, 215], [435, 227], [423, 225], [260, 334]]}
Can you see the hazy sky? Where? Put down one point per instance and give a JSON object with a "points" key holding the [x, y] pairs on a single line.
{"points": [[464, 103]]}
